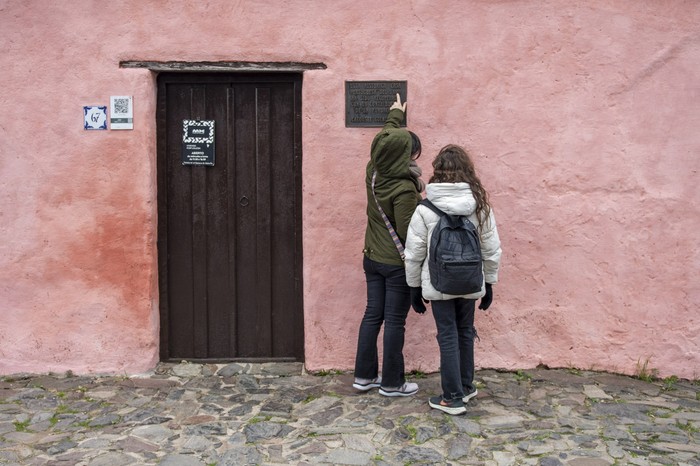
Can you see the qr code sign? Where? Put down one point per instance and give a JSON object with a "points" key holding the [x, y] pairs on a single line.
{"points": [[121, 105], [122, 112]]}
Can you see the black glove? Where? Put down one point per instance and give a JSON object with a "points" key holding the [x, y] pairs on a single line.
{"points": [[488, 297], [417, 299]]}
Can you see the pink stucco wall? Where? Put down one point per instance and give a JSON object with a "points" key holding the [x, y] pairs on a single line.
{"points": [[583, 119]]}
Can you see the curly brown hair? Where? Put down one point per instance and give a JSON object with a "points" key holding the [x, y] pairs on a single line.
{"points": [[453, 165]]}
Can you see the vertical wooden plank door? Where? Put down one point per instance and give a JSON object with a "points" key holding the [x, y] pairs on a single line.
{"points": [[229, 235]]}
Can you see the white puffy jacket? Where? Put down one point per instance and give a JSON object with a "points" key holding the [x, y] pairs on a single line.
{"points": [[453, 199]]}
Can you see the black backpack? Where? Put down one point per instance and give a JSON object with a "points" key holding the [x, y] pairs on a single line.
{"points": [[454, 259]]}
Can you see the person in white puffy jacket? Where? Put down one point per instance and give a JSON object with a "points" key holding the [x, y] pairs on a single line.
{"points": [[455, 189]]}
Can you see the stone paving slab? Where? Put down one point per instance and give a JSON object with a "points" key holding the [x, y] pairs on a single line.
{"points": [[273, 414]]}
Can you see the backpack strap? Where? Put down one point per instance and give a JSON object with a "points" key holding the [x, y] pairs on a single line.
{"points": [[454, 220], [432, 207]]}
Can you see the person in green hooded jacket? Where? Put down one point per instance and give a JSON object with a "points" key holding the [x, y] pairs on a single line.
{"points": [[393, 191]]}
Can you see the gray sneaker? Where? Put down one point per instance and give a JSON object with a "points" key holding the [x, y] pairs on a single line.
{"points": [[407, 389], [367, 384], [469, 395]]}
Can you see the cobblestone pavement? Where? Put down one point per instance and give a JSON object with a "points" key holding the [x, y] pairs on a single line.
{"points": [[191, 414]]}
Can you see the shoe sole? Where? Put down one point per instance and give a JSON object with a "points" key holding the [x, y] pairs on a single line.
{"points": [[396, 393], [447, 409], [365, 388], [470, 396]]}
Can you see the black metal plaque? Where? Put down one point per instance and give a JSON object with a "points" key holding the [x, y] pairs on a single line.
{"points": [[198, 142], [367, 102]]}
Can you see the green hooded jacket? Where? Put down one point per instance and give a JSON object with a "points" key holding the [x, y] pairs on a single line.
{"points": [[394, 188]]}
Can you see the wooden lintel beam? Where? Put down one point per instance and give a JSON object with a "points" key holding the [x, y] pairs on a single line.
{"points": [[222, 66]]}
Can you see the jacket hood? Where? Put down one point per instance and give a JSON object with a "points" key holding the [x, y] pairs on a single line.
{"points": [[452, 198], [391, 149]]}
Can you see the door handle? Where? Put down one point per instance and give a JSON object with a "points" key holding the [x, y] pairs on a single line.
{"points": [[244, 201]]}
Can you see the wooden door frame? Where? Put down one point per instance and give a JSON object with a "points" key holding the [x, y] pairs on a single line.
{"points": [[162, 79]]}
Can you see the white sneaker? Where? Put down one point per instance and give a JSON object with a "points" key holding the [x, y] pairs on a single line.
{"points": [[367, 384], [407, 389]]}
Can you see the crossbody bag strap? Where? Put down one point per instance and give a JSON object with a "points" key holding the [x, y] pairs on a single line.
{"points": [[389, 226]]}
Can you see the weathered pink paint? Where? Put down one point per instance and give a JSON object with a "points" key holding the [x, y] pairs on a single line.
{"points": [[583, 120]]}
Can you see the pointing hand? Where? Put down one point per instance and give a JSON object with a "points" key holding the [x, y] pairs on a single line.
{"points": [[398, 104]]}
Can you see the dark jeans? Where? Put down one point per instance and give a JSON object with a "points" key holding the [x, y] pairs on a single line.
{"points": [[454, 319], [388, 302]]}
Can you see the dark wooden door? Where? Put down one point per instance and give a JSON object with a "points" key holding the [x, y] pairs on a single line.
{"points": [[229, 235]]}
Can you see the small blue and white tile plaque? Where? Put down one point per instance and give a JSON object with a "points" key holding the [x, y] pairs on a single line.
{"points": [[95, 117]]}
